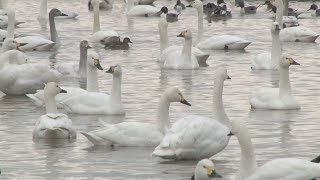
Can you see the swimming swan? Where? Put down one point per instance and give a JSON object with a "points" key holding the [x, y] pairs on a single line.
{"points": [[197, 137], [137, 133], [53, 125], [282, 168], [96, 102], [205, 170], [270, 60], [142, 10], [182, 59], [277, 98], [221, 42]]}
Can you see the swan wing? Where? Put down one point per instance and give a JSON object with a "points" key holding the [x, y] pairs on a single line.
{"points": [[176, 60], [97, 37], [303, 34], [142, 10], [223, 42], [35, 43], [263, 61]]}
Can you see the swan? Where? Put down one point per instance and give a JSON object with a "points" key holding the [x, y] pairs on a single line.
{"points": [[53, 125], [197, 137], [314, 10], [99, 36], [277, 98], [270, 60], [182, 59], [282, 168], [11, 44], [137, 133], [4, 21], [205, 170], [142, 10], [96, 102], [247, 9], [143, 2], [93, 63], [104, 4], [294, 34], [38, 43], [165, 50], [216, 42], [43, 12]]}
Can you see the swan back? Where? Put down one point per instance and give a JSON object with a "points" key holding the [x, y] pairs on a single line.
{"points": [[12, 57], [205, 170]]}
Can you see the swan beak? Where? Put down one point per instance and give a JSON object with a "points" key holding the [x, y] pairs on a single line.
{"points": [[230, 134], [189, 5], [212, 173], [110, 70], [182, 34], [130, 41], [97, 64], [22, 44], [183, 101], [63, 14], [293, 62], [228, 77], [63, 91]]}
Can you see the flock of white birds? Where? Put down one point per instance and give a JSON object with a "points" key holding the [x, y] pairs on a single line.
{"points": [[191, 137]]}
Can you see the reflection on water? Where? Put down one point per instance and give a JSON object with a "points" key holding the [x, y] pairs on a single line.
{"points": [[274, 133]]}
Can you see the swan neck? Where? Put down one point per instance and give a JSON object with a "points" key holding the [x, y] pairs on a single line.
{"points": [[163, 114], [200, 23], [43, 9], [163, 31], [83, 62], [96, 18], [242, 12], [11, 25], [285, 7], [284, 87], [130, 5], [50, 103], [279, 13], [219, 112], [53, 30], [116, 89], [276, 48], [3, 4], [92, 79], [186, 51]]}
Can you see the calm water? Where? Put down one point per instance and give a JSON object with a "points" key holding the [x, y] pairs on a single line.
{"points": [[275, 133]]}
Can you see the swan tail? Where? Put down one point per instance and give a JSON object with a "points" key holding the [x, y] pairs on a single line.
{"points": [[96, 140], [55, 133], [237, 45], [202, 60], [316, 160], [164, 153], [18, 23]]}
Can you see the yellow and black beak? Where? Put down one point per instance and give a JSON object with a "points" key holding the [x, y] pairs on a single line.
{"points": [[183, 101], [230, 134], [182, 34], [111, 69], [212, 173], [228, 77], [63, 91], [97, 64], [292, 62]]}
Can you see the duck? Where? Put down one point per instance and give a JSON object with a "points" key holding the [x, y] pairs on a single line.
{"points": [[182, 59], [277, 98], [53, 125], [269, 60], [179, 6], [99, 36], [197, 137], [281, 168], [38, 43], [142, 10], [314, 10], [93, 64], [269, 5], [137, 133], [222, 42], [205, 170], [220, 12], [97, 102], [124, 45], [247, 9], [43, 12], [103, 5], [165, 49]]}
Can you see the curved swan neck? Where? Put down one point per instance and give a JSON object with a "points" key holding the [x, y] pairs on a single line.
{"points": [[285, 7], [279, 13], [163, 114], [130, 5], [116, 88], [53, 30], [92, 79], [186, 51], [276, 48], [284, 84], [11, 24], [163, 31], [83, 62], [43, 9], [96, 17], [50, 103], [200, 24], [218, 110]]}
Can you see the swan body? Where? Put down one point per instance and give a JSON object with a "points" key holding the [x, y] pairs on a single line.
{"points": [[205, 170], [277, 98], [141, 10], [197, 137], [143, 2], [270, 60], [96, 102], [53, 125], [298, 34]]}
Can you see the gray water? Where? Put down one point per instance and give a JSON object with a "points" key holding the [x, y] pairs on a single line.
{"points": [[274, 133]]}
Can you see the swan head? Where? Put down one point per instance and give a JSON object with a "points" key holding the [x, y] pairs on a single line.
{"points": [[275, 27], [10, 12], [286, 61], [127, 40], [53, 88], [221, 74], [164, 9], [85, 44], [93, 60], [11, 43], [115, 70], [205, 169], [187, 34], [56, 12], [196, 4], [313, 7], [174, 95]]}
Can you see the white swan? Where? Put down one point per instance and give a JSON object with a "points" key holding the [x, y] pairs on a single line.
{"points": [[294, 34], [197, 137], [143, 2], [277, 98], [53, 125], [38, 43], [43, 12], [182, 59], [205, 170], [282, 168], [136, 133], [93, 63], [4, 21], [99, 36], [216, 42], [10, 44], [164, 41], [99, 103], [142, 10], [270, 60]]}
